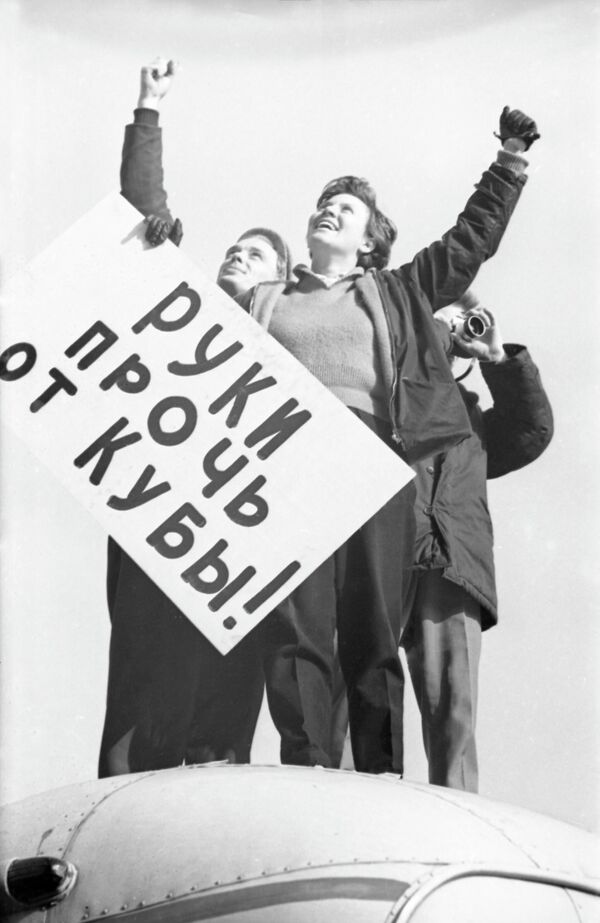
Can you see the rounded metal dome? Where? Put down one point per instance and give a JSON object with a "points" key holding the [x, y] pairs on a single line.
{"points": [[152, 838]]}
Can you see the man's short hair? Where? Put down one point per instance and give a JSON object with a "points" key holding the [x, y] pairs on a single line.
{"points": [[380, 228], [284, 257]]}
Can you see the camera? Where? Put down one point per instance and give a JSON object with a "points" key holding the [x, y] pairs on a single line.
{"points": [[471, 326]]}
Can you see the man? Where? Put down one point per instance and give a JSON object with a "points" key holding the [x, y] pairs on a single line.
{"points": [[171, 696], [368, 334], [451, 592]]}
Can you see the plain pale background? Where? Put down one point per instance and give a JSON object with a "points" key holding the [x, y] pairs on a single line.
{"points": [[275, 98]]}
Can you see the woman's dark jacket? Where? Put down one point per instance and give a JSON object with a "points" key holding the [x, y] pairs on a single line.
{"points": [[427, 414]]}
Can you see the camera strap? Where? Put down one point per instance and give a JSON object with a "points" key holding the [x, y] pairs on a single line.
{"points": [[468, 371]]}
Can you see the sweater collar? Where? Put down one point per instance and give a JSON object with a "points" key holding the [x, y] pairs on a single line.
{"points": [[302, 271]]}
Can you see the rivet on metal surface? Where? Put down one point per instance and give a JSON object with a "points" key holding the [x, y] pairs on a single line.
{"points": [[105, 912], [123, 906], [169, 895], [142, 904], [216, 883], [193, 888]]}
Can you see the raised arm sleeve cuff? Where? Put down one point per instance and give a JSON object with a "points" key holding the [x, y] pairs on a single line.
{"points": [[145, 117], [513, 162]]}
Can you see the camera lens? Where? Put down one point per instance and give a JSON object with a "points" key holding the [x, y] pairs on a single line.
{"points": [[475, 326]]}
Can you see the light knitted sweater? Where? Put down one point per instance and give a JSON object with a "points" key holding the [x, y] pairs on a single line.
{"points": [[338, 337]]}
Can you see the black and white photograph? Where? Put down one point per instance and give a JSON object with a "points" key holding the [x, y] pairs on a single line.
{"points": [[298, 462]]}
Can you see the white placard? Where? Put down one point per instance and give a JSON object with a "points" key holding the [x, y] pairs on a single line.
{"points": [[259, 487]]}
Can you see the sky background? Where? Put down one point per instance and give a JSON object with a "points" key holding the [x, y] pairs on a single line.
{"points": [[275, 97]]}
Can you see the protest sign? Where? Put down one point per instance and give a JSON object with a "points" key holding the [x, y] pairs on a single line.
{"points": [[225, 469]]}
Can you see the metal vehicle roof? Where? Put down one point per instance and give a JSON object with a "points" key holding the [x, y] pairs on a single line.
{"points": [[139, 840]]}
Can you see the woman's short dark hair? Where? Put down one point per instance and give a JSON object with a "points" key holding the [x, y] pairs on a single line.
{"points": [[380, 228]]}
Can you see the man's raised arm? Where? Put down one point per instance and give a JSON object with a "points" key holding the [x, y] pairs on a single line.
{"points": [[141, 162]]}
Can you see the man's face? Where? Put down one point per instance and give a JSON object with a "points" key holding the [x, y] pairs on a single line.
{"points": [[249, 261], [340, 226]]}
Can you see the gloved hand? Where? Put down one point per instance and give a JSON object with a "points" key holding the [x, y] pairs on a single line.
{"points": [[176, 232], [514, 124], [158, 230]]}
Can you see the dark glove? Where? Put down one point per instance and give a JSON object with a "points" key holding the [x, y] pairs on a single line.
{"points": [[176, 232], [515, 124], [159, 229]]}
